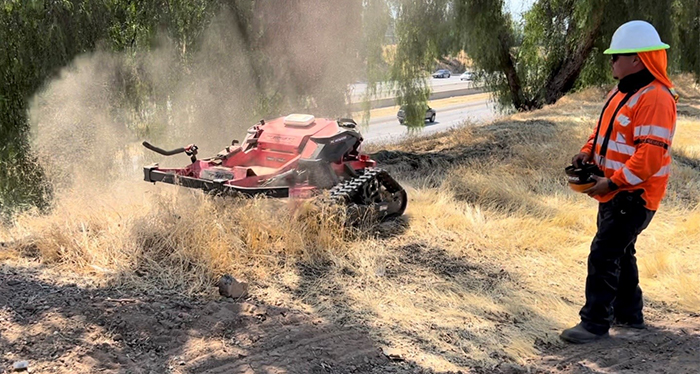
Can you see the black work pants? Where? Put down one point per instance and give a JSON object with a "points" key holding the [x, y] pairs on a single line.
{"points": [[612, 285]]}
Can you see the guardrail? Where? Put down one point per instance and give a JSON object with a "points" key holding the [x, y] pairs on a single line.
{"points": [[435, 95]]}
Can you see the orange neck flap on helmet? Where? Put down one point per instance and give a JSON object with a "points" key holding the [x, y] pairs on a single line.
{"points": [[656, 62]]}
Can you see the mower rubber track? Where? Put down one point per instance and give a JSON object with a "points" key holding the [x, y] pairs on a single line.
{"points": [[355, 190]]}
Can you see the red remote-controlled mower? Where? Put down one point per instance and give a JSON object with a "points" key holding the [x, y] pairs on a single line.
{"points": [[293, 156]]}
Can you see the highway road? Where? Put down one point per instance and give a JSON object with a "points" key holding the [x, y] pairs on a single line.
{"points": [[437, 85], [387, 128]]}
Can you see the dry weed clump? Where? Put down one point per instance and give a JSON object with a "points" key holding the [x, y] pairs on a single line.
{"points": [[180, 239]]}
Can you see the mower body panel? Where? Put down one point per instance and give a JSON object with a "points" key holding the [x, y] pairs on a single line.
{"points": [[268, 151]]}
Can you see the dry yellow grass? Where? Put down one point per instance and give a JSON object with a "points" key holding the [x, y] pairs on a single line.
{"points": [[488, 264]]}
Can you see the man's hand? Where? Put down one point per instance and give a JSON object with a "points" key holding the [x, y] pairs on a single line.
{"points": [[601, 186], [580, 159]]}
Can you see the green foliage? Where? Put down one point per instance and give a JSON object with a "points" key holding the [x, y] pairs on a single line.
{"points": [[297, 56], [558, 47], [417, 25], [376, 20], [38, 38], [41, 37], [687, 16], [490, 40]]}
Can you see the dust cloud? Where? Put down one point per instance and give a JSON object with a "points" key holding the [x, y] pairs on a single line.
{"points": [[87, 124]]}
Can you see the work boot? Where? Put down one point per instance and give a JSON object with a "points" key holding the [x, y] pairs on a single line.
{"points": [[579, 335]]}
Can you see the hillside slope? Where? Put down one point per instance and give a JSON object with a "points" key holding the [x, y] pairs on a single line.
{"points": [[481, 274]]}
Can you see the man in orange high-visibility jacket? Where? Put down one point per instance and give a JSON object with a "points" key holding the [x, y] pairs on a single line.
{"points": [[631, 146]]}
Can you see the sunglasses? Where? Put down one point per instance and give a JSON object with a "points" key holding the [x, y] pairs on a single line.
{"points": [[617, 56]]}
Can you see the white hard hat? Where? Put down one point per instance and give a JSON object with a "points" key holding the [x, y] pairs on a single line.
{"points": [[635, 36]]}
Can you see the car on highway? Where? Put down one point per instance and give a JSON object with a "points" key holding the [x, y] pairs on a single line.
{"points": [[467, 76], [429, 115], [442, 73]]}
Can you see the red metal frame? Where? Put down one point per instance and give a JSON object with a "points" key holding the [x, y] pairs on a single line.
{"points": [[268, 150]]}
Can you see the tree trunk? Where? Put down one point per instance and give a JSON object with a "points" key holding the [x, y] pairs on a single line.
{"points": [[562, 79], [512, 75]]}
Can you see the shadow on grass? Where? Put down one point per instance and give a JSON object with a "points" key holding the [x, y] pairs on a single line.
{"points": [[658, 349], [685, 160], [689, 110], [419, 262], [493, 145]]}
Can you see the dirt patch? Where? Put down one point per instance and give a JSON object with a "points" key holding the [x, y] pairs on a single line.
{"points": [[69, 328], [665, 347], [62, 327]]}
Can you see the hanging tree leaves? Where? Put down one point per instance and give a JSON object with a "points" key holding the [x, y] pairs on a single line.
{"points": [[299, 54], [557, 48]]}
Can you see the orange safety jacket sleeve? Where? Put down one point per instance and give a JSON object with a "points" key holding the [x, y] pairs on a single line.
{"points": [[654, 125], [588, 147]]}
